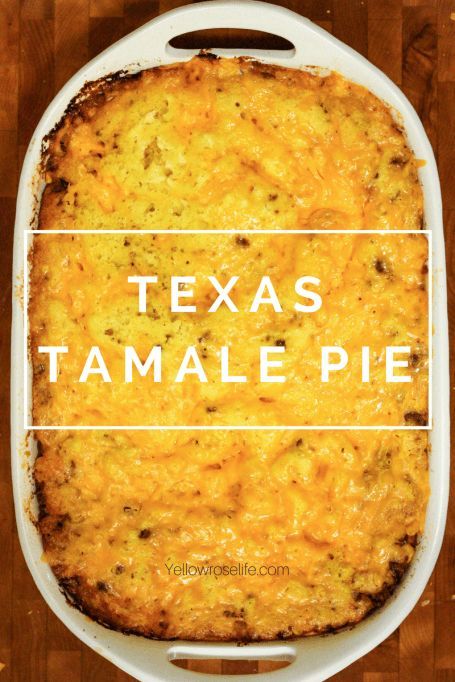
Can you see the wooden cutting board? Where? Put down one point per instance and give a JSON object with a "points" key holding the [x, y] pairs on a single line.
{"points": [[43, 42]]}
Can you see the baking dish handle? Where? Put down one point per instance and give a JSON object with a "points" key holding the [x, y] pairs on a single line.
{"points": [[234, 14], [253, 652]]}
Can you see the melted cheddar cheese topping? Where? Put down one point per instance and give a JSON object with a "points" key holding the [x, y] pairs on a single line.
{"points": [[333, 516], [231, 144]]}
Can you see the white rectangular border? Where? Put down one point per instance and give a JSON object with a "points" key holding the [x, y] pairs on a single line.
{"points": [[27, 407]]}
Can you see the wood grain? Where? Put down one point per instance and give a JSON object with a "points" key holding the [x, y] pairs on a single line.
{"points": [[43, 42]]}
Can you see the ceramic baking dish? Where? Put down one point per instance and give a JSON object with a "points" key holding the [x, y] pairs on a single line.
{"points": [[316, 658]]}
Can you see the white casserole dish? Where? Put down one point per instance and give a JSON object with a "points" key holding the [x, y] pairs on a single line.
{"points": [[317, 658]]}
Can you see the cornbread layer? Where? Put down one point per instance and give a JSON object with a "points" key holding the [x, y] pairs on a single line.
{"points": [[230, 144], [225, 144]]}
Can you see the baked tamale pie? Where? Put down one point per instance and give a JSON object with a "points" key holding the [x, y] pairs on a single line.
{"points": [[225, 534]]}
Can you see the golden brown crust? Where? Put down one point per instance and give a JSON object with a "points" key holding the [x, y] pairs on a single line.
{"points": [[382, 193], [98, 590], [97, 602], [342, 509]]}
